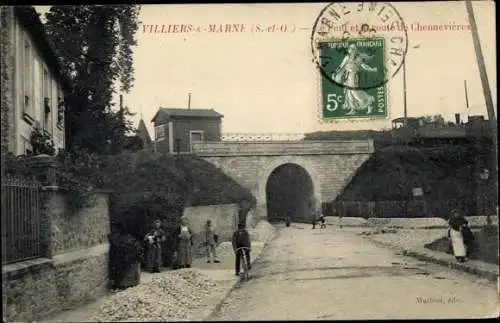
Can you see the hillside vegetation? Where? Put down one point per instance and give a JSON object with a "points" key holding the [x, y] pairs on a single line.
{"points": [[150, 186], [145, 185], [447, 177]]}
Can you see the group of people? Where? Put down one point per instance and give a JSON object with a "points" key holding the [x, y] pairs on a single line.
{"points": [[155, 242], [183, 245]]}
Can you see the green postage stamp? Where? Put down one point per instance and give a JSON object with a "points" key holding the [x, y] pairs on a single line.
{"points": [[353, 80]]}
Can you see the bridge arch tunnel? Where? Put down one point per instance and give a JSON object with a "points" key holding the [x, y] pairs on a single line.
{"points": [[290, 192]]}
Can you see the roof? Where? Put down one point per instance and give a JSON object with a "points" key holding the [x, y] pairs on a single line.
{"points": [[186, 113], [402, 119], [143, 133], [30, 20]]}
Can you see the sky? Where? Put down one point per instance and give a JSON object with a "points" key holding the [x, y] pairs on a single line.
{"points": [[267, 82]]}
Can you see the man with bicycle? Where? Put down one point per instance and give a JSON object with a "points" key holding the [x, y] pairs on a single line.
{"points": [[241, 244]]}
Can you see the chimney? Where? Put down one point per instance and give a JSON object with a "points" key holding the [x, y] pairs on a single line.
{"points": [[457, 118]]}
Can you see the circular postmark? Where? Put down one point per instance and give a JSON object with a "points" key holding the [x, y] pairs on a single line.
{"points": [[359, 46]]}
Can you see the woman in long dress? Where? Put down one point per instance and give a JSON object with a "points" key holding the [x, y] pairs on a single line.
{"points": [[154, 240], [348, 72], [456, 223], [184, 245]]}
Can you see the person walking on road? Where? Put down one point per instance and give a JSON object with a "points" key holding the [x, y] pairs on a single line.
{"points": [[460, 235], [211, 242]]}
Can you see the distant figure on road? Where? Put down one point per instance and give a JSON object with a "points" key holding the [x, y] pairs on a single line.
{"points": [[314, 220], [241, 238], [323, 221], [288, 220], [211, 242], [461, 236], [154, 240]]}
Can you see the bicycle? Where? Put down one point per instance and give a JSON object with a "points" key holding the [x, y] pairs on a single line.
{"points": [[245, 264]]}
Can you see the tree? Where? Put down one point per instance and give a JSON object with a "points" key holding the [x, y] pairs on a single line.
{"points": [[95, 48]]}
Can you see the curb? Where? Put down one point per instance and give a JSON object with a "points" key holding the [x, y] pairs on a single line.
{"points": [[491, 276], [226, 295], [398, 227]]}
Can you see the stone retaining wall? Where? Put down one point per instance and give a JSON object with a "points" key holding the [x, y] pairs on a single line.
{"points": [[40, 287], [224, 219], [73, 268]]}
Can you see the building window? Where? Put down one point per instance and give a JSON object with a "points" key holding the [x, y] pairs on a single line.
{"points": [[195, 136], [160, 132], [28, 80], [60, 107], [37, 101], [47, 101]]}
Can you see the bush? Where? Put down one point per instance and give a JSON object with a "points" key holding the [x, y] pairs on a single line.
{"points": [[124, 257], [77, 173], [41, 142]]}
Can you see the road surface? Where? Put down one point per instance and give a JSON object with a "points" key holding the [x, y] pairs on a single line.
{"points": [[334, 274]]}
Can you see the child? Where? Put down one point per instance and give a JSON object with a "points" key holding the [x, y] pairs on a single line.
{"points": [[210, 242], [240, 239]]}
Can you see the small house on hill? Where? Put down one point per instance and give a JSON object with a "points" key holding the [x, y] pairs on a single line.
{"points": [[177, 129]]}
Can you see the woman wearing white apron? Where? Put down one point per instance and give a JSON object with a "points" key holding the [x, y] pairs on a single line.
{"points": [[456, 223], [184, 245]]}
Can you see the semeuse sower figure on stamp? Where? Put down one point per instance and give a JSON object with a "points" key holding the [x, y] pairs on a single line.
{"points": [[348, 74]]}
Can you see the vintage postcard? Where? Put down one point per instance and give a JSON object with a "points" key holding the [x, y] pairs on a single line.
{"points": [[292, 161]]}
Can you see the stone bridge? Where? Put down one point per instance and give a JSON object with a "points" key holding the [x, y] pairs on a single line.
{"points": [[288, 178]]}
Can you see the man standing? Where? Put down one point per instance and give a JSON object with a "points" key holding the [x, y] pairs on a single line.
{"points": [[211, 242]]}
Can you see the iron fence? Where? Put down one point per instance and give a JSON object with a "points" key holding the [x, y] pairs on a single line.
{"points": [[396, 209], [261, 137], [21, 217]]}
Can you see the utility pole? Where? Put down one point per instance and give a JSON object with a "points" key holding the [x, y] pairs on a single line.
{"points": [[189, 100], [466, 99], [404, 89], [486, 89]]}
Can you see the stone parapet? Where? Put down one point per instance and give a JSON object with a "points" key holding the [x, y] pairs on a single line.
{"points": [[282, 148]]}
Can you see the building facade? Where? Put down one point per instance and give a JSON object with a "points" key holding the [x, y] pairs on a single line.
{"points": [[176, 129], [33, 85]]}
